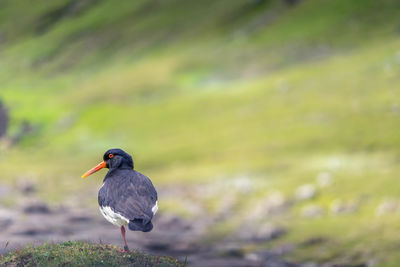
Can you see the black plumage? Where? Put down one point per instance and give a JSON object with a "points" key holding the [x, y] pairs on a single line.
{"points": [[126, 197], [130, 194]]}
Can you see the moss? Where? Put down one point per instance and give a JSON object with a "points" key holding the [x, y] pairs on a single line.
{"points": [[82, 254]]}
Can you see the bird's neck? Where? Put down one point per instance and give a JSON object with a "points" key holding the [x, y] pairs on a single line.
{"points": [[115, 172], [124, 165]]}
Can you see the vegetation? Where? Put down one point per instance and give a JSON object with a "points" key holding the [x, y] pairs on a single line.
{"points": [[82, 254], [205, 90]]}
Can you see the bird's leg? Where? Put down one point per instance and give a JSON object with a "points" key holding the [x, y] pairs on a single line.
{"points": [[123, 236]]}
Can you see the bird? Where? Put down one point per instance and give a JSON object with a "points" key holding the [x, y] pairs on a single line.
{"points": [[127, 197]]}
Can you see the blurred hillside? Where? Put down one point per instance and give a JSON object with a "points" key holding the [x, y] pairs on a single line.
{"points": [[284, 96]]}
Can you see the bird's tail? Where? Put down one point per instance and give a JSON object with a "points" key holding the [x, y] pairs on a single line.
{"points": [[140, 225]]}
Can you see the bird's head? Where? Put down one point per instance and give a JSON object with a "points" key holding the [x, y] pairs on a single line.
{"points": [[112, 159]]}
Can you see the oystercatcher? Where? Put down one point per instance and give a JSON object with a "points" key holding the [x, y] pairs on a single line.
{"points": [[126, 197]]}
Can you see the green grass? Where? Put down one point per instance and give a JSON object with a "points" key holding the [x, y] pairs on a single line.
{"points": [[203, 90], [82, 254]]}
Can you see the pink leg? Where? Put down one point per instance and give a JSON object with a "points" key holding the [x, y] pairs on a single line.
{"points": [[123, 236]]}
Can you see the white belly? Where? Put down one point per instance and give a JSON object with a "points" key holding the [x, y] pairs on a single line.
{"points": [[155, 208], [113, 217]]}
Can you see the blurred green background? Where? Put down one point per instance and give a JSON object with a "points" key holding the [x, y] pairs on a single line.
{"points": [[291, 95]]}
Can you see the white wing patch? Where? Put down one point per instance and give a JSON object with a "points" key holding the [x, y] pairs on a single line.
{"points": [[155, 208], [113, 217]]}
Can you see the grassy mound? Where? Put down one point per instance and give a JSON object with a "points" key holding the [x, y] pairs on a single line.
{"points": [[82, 254]]}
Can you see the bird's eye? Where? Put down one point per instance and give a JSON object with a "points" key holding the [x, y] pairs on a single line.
{"points": [[110, 156]]}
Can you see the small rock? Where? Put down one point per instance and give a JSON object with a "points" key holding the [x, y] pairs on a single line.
{"points": [[276, 199], [232, 250], [306, 192], [243, 184], [268, 231], [6, 213], [252, 257], [324, 179], [311, 211], [37, 207], [387, 206], [272, 204], [339, 207], [26, 185]]}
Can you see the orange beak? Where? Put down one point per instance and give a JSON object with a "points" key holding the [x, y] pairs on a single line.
{"points": [[95, 169]]}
